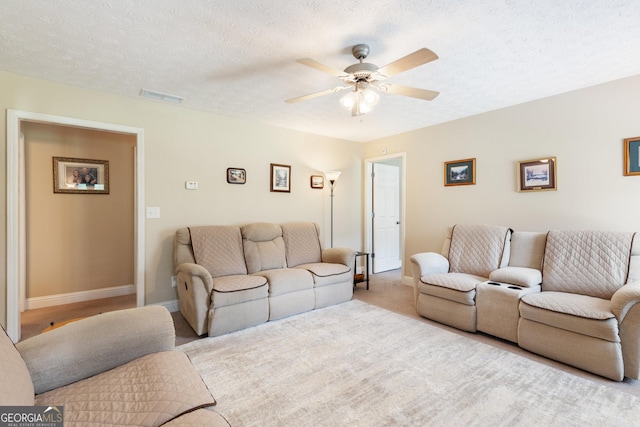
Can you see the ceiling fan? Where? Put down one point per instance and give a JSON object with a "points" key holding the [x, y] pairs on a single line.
{"points": [[363, 76]]}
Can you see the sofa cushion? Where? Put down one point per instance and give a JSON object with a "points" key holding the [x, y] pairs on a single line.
{"points": [[218, 249], [520, 276], [285, 280], [302, 243], [457, 287], [527, 249], [594, 263], [325, 273], [581, 314], [148, 391], [16, 388], [263, 247], [478, 249], [199, 417], [230, 290]]}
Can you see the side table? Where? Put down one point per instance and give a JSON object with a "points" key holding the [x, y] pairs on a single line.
{"points": [[358, 278]]}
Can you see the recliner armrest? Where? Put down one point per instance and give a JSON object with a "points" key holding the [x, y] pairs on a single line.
{"points": [[96, 344], [339, 256], [197, 270], [426, 263], [624, 299]]}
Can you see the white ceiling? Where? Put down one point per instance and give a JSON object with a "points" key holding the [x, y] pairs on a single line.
{"points": [[237, 57]]}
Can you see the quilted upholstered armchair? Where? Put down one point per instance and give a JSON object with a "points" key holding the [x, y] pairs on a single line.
{"points": [[445, 283]]}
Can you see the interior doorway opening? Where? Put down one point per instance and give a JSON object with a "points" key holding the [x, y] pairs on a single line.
{"points": [[16, 207], [385, 211]]}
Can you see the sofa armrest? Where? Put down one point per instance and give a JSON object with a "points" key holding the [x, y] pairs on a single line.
{"points": [[426, 263], [624, 299], [343, 256], [96, 344], [196, 270]]}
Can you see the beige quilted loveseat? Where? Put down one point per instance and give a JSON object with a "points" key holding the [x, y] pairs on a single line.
{"points": [[116, 368], [570, 295], [233, 277]]}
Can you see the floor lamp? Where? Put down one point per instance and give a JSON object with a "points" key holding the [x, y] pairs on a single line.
{"points": [[332, 177]]}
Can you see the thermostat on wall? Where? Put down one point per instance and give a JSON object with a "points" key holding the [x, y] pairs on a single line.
{"points": [[191, 185]]}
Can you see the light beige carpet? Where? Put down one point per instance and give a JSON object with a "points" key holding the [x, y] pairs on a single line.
{"points": [[355, 364]]}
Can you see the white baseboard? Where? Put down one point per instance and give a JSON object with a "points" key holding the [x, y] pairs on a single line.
{"points": [[172, 306], [71, 297]]}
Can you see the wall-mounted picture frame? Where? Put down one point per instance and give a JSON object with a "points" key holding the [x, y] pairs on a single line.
{"points": [[632, 156], [236, 176], [80, 176], [537, 174], [317, 181], [280, 178], [460, 172]]}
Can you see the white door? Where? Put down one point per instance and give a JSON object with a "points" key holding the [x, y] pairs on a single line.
{"points": [[386, 217]]}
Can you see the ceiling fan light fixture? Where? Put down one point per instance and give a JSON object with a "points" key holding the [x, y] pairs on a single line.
{"points": [[360, 101]]}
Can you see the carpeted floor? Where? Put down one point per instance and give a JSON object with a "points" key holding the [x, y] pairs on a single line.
{"points": [[359, 365]]}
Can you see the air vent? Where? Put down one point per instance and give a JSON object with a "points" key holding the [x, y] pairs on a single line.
{"points": [[159, 96]]}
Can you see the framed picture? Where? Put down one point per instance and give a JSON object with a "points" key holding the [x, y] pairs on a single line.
{"points": [[632, 156], [280, 178], [537, 174], [317, 181], [80, 176], [236, 176], [460, 172]]}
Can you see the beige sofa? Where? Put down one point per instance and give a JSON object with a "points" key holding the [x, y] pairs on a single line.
{"points": [[568, 295], [116, 368], [234, 277]]}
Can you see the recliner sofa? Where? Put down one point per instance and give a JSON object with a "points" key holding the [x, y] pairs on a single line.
{"points": [[570, 295], [233, 277]]}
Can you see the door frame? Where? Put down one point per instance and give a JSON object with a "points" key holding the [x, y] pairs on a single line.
{"points": [[16, 244], [368, 200]]}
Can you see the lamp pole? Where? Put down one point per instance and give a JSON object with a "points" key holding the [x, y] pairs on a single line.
{"points": [[332, 177]]}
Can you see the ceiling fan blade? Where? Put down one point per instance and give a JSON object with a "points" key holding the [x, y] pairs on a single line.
{"points": [[318, 66], [415, 59], [413, 92], [316, 94]]}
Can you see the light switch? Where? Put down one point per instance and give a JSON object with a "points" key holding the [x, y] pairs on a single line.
{"points": [[191, 185], [153, 212]]}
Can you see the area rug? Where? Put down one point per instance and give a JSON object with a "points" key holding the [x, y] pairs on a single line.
{"points": [[355, 364]]}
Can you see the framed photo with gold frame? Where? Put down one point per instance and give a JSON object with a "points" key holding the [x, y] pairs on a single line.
{"points": [[80, 176], [632, 156], [537, 174], [460, 172]]}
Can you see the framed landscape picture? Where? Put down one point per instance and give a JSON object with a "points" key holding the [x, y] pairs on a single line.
{"points": [[317, 181], [632, 156], [236, 176], [460, 172], [537, 174], [80, 176], [280, 178]]}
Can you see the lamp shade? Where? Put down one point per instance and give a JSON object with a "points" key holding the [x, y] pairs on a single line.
{"points": [[332, 176]]}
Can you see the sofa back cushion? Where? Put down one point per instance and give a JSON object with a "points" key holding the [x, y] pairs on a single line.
{"points": [[263, 247], [302, 243], [527, 249], [594, 263], [218, 248], [634, 263], [16, 387], [478, 249]]}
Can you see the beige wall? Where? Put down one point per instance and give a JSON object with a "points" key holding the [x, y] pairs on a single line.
{"points": [[181, 145], [77, 242], [583, 129]]}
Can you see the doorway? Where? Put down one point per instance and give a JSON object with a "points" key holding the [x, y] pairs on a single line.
{"points": [[384, 211], [16, 211]]}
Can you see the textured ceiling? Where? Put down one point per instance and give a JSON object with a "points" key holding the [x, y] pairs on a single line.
{"points": [[237, 58]]}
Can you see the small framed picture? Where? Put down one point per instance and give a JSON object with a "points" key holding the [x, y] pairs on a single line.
{"points": [[280, 178], [537, 174], [632, 156], [80, 176], [317, 181], [236, 176], [460, 172]]}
